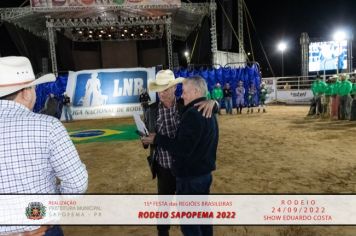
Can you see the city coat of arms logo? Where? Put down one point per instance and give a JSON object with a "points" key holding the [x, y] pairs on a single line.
{"points": [[35, 211]]}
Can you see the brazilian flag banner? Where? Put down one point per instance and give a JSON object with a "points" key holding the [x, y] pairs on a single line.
{"points": [[107, 134]]}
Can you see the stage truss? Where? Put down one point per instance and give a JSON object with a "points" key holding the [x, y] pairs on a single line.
{"points": [[77, 22]]}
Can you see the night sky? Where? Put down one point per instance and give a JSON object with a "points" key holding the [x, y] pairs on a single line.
{"points": [[286, 20], [277, 20]]}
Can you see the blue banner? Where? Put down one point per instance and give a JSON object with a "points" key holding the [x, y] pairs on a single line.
{"points": [[112, 92], [106, 88]]}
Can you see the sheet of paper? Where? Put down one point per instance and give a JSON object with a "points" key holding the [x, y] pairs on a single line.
{"points": [[141, 127]]}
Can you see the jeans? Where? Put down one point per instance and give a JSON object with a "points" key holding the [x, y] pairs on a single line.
{"points": [[344, 107], [195, 185], [166, 184], [318, 106], [325, 101], [56, 230], [68, 113], [228, 105]]}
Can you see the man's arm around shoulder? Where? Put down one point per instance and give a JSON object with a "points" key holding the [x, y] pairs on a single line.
{"points": [[187, 136]]}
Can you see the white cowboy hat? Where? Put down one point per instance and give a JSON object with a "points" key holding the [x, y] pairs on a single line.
{"points": [[164, 80], [16, 73]]}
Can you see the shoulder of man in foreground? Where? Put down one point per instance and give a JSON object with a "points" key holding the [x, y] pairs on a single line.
{"points": [[64, 158]]}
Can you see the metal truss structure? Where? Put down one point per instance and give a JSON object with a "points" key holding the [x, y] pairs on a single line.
{"points": [[178, 22], [52, 46], [169, 43], [240, 27], [304, 43], [213, 36]]}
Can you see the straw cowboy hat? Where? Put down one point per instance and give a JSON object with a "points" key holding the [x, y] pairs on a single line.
{"points": [[16, 73], [164, 80]]}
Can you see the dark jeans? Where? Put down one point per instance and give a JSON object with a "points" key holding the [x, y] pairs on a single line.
{"points": [[195, 185], [67, 113], [318, 106], [344, 107], [166, 184], [228, 105], [56, 230]]}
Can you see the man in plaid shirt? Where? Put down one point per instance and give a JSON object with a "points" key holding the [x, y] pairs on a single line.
{"points": [[163, 118], [36, 153]]}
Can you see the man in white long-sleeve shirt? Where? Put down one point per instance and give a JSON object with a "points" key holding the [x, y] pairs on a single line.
{"points": [[36, 153]]}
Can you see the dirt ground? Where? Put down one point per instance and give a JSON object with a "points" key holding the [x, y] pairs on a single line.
{"points": [[280, 151]]}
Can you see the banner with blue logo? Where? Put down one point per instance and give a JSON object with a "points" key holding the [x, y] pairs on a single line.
{"points": [[108, 93]]}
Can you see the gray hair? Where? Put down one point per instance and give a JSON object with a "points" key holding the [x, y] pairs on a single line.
{"points": [[199, 83]]}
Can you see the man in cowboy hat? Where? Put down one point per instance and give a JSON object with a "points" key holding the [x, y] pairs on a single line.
{"points": [[163, 118], [37, 155], [193, 148]]}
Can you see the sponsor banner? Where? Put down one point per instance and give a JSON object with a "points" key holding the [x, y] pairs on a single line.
{"points": [[103, 3], [178, 209], [295, 96], [107, 93], [289, 96]]}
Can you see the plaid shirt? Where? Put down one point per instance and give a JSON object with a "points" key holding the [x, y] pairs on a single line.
{"points": [[35, 150], [167, 124]]}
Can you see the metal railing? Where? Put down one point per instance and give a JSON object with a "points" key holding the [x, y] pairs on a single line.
{"points": [[294, 89]]}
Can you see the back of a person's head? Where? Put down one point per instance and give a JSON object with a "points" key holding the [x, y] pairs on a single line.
{"points": [[199, 83]]}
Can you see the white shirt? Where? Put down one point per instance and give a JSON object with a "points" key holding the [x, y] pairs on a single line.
{"points": [[35, 150]]}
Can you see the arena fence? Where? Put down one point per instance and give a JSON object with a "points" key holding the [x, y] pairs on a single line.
{"points": [[293, 89]]}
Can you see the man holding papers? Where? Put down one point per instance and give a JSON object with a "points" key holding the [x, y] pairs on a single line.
{"points": [[169, 125], [163, 118]]}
